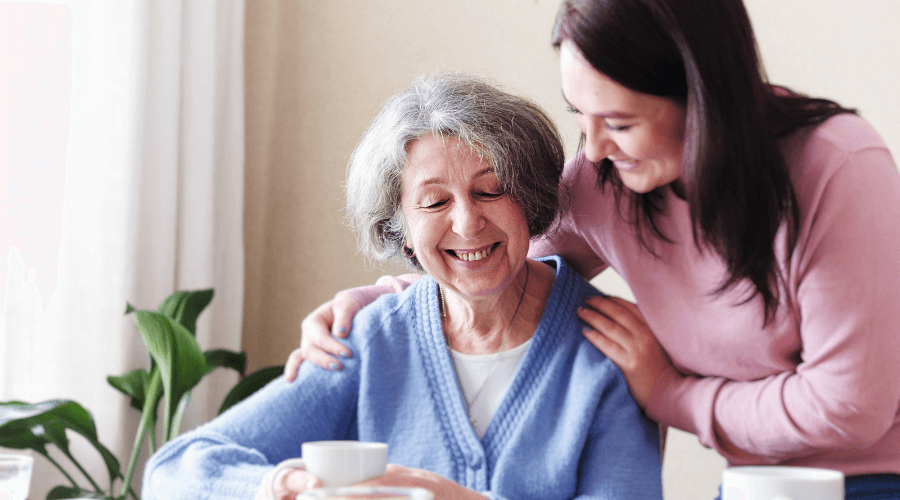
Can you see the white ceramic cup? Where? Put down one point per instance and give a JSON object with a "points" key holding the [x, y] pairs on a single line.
{"points": [[781, 483], [337, 463], [15, 476]]}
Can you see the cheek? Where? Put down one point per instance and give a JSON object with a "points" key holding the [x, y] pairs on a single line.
{"points": [[672, 135], [423, 231], [519, 235], [413, 227], [635, 146], [652, 145]]}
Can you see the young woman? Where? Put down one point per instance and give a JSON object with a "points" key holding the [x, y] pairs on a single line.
{"points": [[757, 228]]}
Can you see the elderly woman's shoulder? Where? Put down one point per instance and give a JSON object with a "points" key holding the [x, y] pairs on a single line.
{"points": [[389, 309]]}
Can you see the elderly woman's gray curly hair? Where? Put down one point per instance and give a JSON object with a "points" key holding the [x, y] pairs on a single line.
{"points": [[512, 133]]}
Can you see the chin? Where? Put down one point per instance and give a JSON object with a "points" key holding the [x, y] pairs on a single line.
{"points": [[640, 188], [643, 185]]}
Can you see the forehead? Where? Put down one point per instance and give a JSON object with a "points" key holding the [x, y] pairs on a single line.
{"points": [[593, 93], [432, 156]]}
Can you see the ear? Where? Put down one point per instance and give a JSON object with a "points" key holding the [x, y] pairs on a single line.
{"points": [[407, 251]]}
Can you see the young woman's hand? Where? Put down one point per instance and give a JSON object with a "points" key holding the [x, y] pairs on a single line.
{"points": [[316, 342], [335, 318], [288, 485], [618, 330], [406, 477]]}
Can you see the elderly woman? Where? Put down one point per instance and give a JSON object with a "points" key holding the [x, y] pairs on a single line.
{"points": [[477, 376]]}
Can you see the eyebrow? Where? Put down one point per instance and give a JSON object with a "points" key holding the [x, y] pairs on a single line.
{"points": [[611, 114], [436, 180]]}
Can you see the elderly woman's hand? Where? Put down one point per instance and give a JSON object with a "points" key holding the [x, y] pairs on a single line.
{"points": [[443, 488], [619, 331], [316, 343], [288, 484]]}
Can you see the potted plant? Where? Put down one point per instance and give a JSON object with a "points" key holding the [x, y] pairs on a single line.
{"points": [[177, 364]]}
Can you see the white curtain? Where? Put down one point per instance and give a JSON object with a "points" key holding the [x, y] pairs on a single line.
{"points": [[121, 180]]}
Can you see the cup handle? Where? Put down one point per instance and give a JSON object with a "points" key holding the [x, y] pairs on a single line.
{"points": [[291, 463]]}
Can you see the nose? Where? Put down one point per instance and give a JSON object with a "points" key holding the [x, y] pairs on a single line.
{"points": [[597, 141], [468, 219]]}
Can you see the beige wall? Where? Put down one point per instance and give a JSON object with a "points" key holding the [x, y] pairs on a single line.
{"points": [[317, 71]]}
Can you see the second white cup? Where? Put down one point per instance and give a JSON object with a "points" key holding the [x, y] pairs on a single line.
{"points": [[781, 483], [337, 463]]}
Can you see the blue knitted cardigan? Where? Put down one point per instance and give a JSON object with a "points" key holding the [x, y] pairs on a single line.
{"points": [[566, 428]]}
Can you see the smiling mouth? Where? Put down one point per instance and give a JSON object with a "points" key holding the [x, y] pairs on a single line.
{"points": [[471, 256], [625, 164]]}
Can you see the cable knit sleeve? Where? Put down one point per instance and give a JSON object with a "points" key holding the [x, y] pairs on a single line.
{"points": [[227, 458]]}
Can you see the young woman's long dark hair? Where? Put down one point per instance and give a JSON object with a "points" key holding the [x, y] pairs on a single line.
{"points": [[702, 53]]}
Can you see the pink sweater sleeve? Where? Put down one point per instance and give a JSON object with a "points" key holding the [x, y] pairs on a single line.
{"points": [[566, 239], [842, 397]]}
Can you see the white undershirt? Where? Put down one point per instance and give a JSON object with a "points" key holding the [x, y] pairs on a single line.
{"points": [[484, 379]]}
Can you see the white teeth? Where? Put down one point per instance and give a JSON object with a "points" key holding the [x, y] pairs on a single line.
{"points": [[473, 256]]}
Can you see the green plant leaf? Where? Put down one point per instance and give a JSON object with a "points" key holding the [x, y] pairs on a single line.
{"points": [[184, 307], [18, 435], [133, 384], [47, 422], [222, 358], [148, 422], [250, 384], [53, 432], [177, 355], [62, 492], [151, 404], [179, 414]]}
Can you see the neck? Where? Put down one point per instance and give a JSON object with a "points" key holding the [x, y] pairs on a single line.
{"points": [[484, 326]]}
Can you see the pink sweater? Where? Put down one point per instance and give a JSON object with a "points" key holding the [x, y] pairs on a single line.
{"points": [[820, 384]]}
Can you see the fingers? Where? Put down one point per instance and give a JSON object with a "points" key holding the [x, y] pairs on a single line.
{"points": [[320, 355], [319, 326], [597, 334], [344, 309], [612, 312], [616, 308], [617, 329], [287, 485], [316, 343], [398, 475], [298, 481], [292, 365], [443, 488], [315, 356]]}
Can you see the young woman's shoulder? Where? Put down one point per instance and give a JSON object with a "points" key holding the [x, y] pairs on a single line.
{"points": [[847, 132], [841, 171], [817, 154]]}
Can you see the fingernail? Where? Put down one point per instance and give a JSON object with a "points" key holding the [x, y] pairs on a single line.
{"points": [[333, 367], [342, 330], [344, 354]]}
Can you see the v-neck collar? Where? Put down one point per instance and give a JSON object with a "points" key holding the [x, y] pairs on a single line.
{"points": [[446, 393]]}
